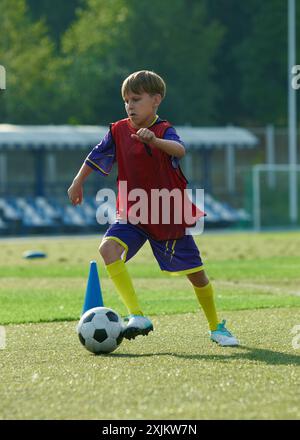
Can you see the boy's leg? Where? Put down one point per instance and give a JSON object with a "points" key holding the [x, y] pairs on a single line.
{"points": [[124, 241], [204, 292], [111, 252], [182, 257], [205, 296]]}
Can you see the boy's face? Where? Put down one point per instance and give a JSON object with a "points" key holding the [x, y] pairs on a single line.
{"points": [[141, 108]]}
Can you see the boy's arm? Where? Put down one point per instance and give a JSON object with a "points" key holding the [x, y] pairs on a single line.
{"points": [[75, 192], [170, 147], [100, 159]]}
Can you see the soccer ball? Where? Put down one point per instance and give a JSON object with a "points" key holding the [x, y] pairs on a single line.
{"points": [[100, 330]]}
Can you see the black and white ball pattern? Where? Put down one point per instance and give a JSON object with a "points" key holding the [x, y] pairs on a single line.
{"points": [[100, 330]]}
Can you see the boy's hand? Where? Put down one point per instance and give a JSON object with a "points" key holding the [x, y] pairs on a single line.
{"points": [[144, 135], [75, 193]]}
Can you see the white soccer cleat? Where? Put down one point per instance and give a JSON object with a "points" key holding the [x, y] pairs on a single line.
{"points": [[137, 325], [223, 337]]}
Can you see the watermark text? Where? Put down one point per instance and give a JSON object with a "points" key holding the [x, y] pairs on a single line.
{"points": [[156, 207]]}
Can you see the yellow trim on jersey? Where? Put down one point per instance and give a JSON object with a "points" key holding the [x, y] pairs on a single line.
{"points": [[97, 166], [153, 122], [121, 243], [185, 272]]}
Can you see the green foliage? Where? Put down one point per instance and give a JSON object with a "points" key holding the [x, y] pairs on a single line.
{"points": [[32, 69], [92, 49], [224, 61], [178, 41], [262, 61], [57, 14], [235, 18], [253, 54]]}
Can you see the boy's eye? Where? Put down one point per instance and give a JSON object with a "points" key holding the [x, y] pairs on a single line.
{"points": [[126, 102]]}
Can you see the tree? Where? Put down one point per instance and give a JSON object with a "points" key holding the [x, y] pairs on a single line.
{"points": [[112, 38], [32, 69], [254, 73], [236, 18], [92, 49], [58, 15], [177, 39], [262, 63]]}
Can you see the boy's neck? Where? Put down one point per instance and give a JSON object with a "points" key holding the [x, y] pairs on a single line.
{"points": [[146, 124]]}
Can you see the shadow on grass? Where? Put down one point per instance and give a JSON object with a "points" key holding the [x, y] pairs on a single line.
{"points": [[269, 357]]}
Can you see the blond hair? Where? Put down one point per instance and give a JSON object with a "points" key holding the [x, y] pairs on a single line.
{"points": [[144, 81]]}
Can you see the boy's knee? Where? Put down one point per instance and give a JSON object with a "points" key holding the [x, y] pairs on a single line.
{"points": [[110, 251], [198, 279]]}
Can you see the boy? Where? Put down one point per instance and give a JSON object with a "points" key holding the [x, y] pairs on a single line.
{"points": [[147, 150]]}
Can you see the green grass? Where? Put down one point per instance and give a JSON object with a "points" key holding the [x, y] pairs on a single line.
{"points": [[174, 373], [47, 374], [249, 271]]}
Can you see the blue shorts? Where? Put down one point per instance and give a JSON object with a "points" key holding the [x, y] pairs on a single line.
{"points": [[178, 257]]}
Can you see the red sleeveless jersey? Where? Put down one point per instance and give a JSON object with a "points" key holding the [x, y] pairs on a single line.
{"points": [[148, 168]]}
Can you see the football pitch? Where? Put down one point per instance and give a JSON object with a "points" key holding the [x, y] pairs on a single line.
{"points": [[174, 373]]}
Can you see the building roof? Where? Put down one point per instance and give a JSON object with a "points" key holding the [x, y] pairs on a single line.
{"points": [[86, 136], [216, 136]]}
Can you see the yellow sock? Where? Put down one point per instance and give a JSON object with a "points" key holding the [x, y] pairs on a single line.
{"points": [[122, 281], [205, 297]]}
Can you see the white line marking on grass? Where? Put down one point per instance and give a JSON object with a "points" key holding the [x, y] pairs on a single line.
{"points": [[2, 337], [296, 339], [265, 287], [34, 377]]}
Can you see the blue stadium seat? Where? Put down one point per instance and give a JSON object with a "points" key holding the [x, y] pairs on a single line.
{"points": [[47, 209], [10, 211], [73, 217], [3, 227], [224, 211], [31, 217], [39, 214]]}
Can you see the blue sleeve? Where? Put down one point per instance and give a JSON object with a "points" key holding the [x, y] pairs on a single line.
{"points": [[103, 155], [172, 135]]}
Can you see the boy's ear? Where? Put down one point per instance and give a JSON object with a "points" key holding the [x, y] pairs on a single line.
{"points": [[157, 99]]}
